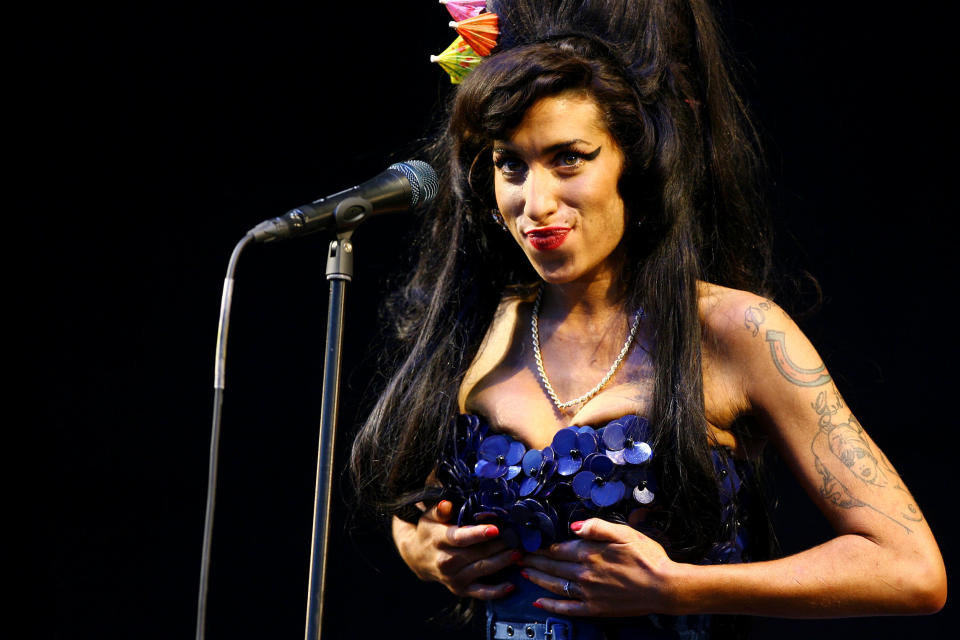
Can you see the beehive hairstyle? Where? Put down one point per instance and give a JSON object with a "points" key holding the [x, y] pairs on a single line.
{"points": [[659, 76]]}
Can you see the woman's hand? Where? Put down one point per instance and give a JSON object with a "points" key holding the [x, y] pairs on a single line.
{"points": [[456, 557], [612, 570]]}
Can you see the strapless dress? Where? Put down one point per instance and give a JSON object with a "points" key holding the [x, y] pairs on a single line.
{"points": [[533, 495]]}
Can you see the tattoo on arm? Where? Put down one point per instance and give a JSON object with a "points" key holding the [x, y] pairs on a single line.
{"points": [[801, 376], [868, 470], [826, 407], [755, 316], [851, 468]]}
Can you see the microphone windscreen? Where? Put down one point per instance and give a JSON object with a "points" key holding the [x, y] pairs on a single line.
{"points": [[423, 180]]}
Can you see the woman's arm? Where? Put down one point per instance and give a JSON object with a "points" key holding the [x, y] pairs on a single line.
{"points": [[457, 557], [883, 560]]}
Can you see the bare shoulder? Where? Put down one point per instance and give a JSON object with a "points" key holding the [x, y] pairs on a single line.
{"points": [[748, 337], [732, 318]]}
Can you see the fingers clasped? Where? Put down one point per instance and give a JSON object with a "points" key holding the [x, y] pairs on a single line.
{"points": [[610, 570]]}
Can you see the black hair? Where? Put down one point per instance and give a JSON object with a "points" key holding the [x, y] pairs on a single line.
{"points": [[659, 75]]}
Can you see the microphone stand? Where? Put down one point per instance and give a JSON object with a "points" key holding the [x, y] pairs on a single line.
{"points": [[339, 273], [345, 217]]}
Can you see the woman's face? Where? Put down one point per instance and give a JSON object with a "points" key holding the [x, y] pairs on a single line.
{"points": [[555, 180]]}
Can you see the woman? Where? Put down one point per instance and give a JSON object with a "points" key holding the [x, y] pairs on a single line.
{"points": [[620, 290]]}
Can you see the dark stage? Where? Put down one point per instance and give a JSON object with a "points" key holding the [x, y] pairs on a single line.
{"points": [[159, 134]]}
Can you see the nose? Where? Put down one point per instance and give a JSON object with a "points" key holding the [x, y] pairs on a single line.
{"points": [[540, 195]]}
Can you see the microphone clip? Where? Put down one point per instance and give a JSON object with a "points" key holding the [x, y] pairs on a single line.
{"points": [[345, 216]]}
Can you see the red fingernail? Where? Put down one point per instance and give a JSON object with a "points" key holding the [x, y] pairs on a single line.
{"points": [[510, 588], [516, 557], [537, 604], [576, 526], [491, 532]]}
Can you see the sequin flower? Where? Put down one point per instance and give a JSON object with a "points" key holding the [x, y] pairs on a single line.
{"points": [[642, 482], [596, 482], [538, 467], [533, 495], [625, 440], [494, 499], [535, 524], [572, 445], [499, 456]]}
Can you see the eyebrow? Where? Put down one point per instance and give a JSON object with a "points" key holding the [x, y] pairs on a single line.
{"points": [[553, 148]]}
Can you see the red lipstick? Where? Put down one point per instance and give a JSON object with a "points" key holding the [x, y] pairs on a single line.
{"points": [[547, 238]]}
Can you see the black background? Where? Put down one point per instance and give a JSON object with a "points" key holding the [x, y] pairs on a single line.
{"points": [[148, 140]]}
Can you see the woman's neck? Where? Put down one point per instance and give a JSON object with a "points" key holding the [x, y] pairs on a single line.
{"points": [[582, 304]]}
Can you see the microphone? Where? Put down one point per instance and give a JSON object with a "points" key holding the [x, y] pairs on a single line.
{"points": [[401, 187]]}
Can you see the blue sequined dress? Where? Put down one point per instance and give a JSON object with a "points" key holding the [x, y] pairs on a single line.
{"points": [[533, 496]]}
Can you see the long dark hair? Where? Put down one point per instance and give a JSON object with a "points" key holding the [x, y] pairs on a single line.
{"points": [[657, 71]]}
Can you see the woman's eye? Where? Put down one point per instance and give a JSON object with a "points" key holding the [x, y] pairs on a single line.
{"points": [[573, 159], [509, 166]]}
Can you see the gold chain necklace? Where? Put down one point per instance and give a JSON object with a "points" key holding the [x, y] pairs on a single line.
{"points": [[535, 338]]}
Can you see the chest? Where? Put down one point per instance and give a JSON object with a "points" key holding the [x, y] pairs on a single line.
{"points": [[505, 385]]}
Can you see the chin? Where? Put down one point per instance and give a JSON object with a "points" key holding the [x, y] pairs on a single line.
{"points": [[559, 275]]}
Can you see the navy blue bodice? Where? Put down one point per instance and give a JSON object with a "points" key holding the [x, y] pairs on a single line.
{"points": [[533, 495]]}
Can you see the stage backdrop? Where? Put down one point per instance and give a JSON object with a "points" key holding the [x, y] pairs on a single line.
{"points": [[155, 136]]}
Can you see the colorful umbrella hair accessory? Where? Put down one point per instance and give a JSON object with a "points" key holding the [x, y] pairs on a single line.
{"points": [[457, 60], [479, 31], [463, 9]]}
